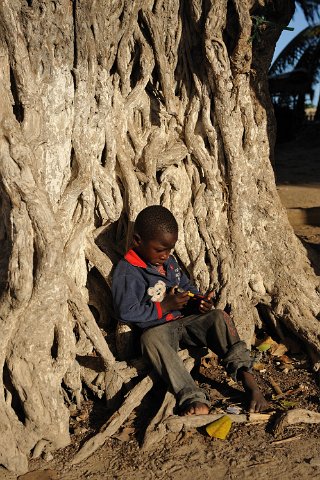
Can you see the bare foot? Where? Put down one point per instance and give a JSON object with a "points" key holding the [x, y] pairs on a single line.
{"points": [[196, 408], [257, 402]]}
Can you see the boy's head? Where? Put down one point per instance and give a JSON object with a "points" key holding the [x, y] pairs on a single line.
{"points": [[155, 234]]}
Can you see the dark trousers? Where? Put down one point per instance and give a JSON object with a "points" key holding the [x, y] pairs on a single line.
{"points": [[214, 330]]}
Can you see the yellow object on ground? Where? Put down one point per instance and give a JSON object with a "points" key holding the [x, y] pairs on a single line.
{"points": [[219, 428]]}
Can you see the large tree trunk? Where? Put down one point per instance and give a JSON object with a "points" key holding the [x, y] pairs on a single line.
{"points": [[107, 107]]}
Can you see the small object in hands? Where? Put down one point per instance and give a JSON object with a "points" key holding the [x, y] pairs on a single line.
{"points": [[190, 294], [180, 290]]}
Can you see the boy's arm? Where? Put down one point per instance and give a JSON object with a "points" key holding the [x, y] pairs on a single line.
{"points": [[128, 292]]}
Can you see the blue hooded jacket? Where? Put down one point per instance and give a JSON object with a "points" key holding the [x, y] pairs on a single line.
{"points": [[138, 289]]}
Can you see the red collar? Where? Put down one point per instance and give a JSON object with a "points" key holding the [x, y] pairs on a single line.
{"points": [[134, 259]]}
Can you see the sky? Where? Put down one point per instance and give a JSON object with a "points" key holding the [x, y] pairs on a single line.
{"points": [[299, 23]]}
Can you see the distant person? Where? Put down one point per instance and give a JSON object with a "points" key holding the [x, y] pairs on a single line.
{"points": [[151, 292]]}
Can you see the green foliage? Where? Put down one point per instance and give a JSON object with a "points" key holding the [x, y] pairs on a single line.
{"points": [[260, 23]]}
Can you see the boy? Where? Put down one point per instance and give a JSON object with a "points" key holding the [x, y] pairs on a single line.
{"points": [[151, 292]]}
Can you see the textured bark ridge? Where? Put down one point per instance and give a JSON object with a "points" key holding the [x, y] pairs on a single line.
{"points": [[107, 107]]}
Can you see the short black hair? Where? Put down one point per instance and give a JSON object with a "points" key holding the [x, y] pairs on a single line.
{"points": [[153, 220]]}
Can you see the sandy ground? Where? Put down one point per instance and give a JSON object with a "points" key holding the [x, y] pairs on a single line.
{"points": [[297, 170], [250, 451]]}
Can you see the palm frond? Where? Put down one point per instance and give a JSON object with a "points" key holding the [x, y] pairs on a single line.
{"points": [[307, 40], [310, 61], [310, 8]]}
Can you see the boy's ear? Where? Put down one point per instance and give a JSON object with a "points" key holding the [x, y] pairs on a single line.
{"points": [[136, 239]]}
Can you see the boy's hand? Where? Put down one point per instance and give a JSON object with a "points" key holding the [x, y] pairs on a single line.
{"points": [[174, 301], [206, 303]]}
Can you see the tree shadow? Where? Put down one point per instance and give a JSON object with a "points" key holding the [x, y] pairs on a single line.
{"points": [[313, 254], [5, 238]]}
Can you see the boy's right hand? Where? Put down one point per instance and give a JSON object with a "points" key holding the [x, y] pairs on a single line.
{"points": [[174, 301]]}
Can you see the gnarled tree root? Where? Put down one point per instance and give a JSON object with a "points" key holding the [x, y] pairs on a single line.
{"points": [[132, 400], [176, 424], [298, 415], [157, 428]]}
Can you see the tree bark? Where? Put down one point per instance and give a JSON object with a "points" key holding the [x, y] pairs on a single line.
{"points": [[108, 107]]}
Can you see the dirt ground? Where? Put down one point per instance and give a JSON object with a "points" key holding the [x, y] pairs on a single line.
{"points": [[250, 450]]}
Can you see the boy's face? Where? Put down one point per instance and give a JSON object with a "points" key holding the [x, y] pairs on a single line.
{"points": [[155, 251]]}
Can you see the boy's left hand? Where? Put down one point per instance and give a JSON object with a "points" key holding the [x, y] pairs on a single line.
{"points": [[206, 303]]}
